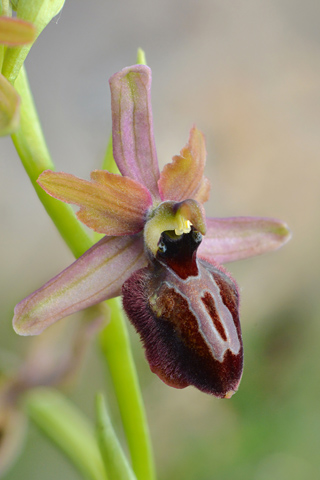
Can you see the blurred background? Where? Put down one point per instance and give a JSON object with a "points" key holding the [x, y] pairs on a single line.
{"points": [[248, 75]]}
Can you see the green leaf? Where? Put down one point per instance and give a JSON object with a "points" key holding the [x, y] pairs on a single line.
{"points": [[68, 428], [115, 461]]}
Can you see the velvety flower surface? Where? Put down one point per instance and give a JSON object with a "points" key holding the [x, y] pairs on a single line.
{"points": [[159, 250]]}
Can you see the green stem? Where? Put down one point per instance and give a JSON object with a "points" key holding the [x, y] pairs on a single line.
{"points": [[31, 147], [116, 348], [108, 161], [5, 11], [115, 462], [33, 152], [5, 8], [2, 51]]}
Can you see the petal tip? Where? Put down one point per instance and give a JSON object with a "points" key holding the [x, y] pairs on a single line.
{"points": [[281, 234], [23, 323], [20, 328], [138, 68], [284, 233], [229, 394], [184, 178]]}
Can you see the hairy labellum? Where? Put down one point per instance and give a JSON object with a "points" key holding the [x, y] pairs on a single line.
{"points": [[186, 311]]}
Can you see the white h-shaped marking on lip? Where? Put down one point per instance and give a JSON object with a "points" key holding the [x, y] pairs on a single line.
{"points": [[192, 289]]}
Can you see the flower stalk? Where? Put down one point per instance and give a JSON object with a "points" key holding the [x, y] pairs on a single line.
{"points": [[114, 459], [115, 345], [32, 149], [33, 152]]}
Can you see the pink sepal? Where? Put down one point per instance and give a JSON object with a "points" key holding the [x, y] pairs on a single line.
{"points": [[132, 127], [96, 276], [235, 238]]}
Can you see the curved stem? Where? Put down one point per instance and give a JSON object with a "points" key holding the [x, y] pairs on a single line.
{"points": [[33, 152], [115, 462], [115, 345], [108, 161], [31, 147]]}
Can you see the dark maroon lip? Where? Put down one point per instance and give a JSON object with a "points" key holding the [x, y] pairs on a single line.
{"points": [[179, 252], [161, 301]]}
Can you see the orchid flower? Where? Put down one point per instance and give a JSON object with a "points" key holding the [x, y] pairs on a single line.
{"points": [[159, 251]]}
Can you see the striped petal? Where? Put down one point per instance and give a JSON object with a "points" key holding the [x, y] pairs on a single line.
{"points": [[183, 177], [235, 238], [110, 204], [132, 128], [95, 276]]}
